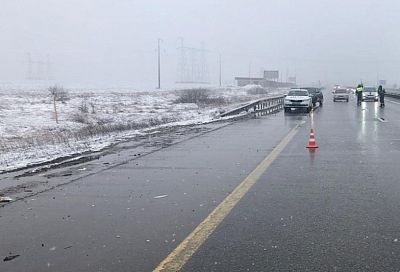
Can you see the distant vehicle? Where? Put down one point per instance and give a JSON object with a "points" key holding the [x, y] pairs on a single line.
{"points": [[298, 99], [370, 94], [340, 94], [315, 94], [351, 90], [335, 87]]}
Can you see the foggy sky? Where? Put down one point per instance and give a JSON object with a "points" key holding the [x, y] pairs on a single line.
{"points": [[112, 43]]}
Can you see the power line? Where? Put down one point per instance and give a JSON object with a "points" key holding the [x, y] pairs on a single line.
{"points": [[38, 69], [193, 66]]}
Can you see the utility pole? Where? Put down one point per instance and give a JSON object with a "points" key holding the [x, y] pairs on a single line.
{"points": [[48, 68], [220, 71], [377, 78], [287, 74], [55, 108], [250, 73], [29, 71], [159, 65], [182, 68]]}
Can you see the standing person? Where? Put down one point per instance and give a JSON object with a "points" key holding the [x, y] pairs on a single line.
{"points": [[359, 91], [381, 93]]}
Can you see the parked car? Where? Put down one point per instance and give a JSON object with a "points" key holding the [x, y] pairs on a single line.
{"points": [[340, 94], [316, 95], [370, 94], [298, 99]]}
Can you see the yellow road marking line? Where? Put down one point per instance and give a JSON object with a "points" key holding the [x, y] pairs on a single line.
{"points": [[184, 251]]}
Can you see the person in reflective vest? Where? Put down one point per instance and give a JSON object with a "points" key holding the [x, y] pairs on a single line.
{"points": [[359, 91], [381, 93]]}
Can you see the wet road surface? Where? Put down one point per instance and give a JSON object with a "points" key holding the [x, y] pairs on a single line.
{"points": [[333, 210], [29, 181]]}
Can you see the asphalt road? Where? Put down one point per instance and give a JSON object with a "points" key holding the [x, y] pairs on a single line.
{"points": [[333, 210]]}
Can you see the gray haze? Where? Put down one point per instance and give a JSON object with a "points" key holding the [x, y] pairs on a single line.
{"points": [[112, 43]]}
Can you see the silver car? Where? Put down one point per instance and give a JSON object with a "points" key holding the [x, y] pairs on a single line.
{"points": [[370, 94], [340, 94], [298, 99]]}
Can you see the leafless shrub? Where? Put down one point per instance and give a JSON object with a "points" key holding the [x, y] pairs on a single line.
{"points": [[80, 117], [92, 106], [59, 93], [193, 96], [199, 96], [217, 101], [257, 90], [115, 108], [83, 107], [103, 121]]}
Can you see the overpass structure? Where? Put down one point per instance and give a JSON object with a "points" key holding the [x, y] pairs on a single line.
{"points": [[270, 79]]}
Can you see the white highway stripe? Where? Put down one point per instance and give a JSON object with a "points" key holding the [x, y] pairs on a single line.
{"points": [[393, 101]]}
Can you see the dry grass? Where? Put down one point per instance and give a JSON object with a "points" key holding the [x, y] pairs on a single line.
{"points": [[67, 136]]}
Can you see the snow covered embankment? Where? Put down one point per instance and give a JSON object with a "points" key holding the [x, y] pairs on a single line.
{"points": [[93, 120]]}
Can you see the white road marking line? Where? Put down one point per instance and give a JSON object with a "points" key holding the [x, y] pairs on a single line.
{"points": [[395, 102]]}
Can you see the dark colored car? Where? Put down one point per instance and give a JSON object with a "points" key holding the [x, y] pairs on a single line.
{"points": [[316, 95]]}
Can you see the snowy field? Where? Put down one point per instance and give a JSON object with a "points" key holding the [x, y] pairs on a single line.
{"points": [[90, 120]]}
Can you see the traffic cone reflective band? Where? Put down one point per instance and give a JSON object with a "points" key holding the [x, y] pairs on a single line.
{"points": [[311, 142]]}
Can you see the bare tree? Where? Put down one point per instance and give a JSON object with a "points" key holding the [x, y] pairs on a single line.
{"points": [[58, 94]]}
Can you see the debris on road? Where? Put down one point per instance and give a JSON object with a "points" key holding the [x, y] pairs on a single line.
{"points": [[5, 199], [160, 196], [10, 258]]}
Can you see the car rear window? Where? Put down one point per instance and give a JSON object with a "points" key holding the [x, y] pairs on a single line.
{"points": [[311, 90], [298, 93], [340, 91]]}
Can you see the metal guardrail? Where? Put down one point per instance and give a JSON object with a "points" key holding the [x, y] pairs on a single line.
{"points": [[261, 106], [395, 93]]}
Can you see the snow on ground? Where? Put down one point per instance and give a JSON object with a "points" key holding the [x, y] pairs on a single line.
{"points": [[91, 120]]}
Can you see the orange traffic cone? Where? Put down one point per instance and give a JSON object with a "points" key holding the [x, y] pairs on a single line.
{"points": [[311, 142]]}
